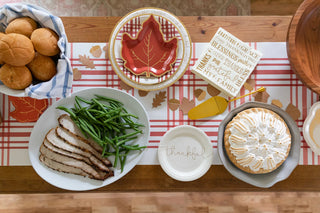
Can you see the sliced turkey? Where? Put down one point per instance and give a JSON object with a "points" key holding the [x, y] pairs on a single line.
{"points": [[80, 143], [62, 159], [58, 142], [66, 122], [62, 167], [53, 148]]}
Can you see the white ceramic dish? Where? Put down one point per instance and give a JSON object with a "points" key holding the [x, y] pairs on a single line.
{"points": [[136, 18], [48, 120], [311, 128], [281, 173], [185, 153]]}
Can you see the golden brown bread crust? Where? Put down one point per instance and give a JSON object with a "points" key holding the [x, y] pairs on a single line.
{"points": [[23, 25], [227, 144], [15, 77], [16, 49], [42, 67], [45, 41], [1, 35]]}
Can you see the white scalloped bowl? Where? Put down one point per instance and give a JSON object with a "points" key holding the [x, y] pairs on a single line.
{"points": [[311, 128]]}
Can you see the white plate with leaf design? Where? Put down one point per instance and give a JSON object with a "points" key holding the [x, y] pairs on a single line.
{"points": [[170, 27]]}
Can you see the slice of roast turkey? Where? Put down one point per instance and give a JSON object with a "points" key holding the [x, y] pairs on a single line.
{"points": [[62, 159], [58, 142], [67, 123], [81, 144], [62, 167], [50, 146]]}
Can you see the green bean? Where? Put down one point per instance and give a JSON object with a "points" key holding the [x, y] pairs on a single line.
{"points": [[133, 147], [116, 156], [100, 105], [83, 100], [100, 97], [106, 121], [67, 110], [130, 134], [123, 159], [126, 140]]}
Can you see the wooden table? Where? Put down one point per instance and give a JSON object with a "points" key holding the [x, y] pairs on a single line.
{"points": [[23, 179]]}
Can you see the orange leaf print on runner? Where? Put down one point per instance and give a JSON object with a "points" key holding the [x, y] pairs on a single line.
{"points": [[149, 53], [85, 60], [159, 98], [27, 109]]}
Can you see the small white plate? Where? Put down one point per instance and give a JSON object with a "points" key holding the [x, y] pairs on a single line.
{"points": [[48, 120], [185, 153]]}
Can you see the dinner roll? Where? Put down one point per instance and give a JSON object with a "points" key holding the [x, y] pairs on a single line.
{"points": [[45, 41], [1, 35], [15, 77], [23, 25], [42, 67], [16, 49]]}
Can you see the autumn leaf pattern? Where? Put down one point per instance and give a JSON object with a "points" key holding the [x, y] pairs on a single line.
{"points": [[174, 104], [124, 86], [186, 105], [149, 53], [293, 111], [143, 93], [158, 99], [96, 51], [27, 109], [85, 60]]}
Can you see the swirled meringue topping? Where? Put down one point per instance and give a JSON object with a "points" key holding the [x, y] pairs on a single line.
{"points": [[259, 140]]}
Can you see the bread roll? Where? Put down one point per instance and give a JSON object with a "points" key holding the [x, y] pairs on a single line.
{"points": [[45, 41], [15, 77], [1, 35], [23, 25], [16, 49], [42, 67]]}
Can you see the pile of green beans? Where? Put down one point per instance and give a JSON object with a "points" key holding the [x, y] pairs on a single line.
{"points": [[108, 123]]}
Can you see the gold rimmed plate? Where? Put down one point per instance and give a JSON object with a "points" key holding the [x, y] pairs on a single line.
{"points": [[170, 27]]}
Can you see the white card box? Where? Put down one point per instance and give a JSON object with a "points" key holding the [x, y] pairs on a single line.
{"points": [[226, 63]]}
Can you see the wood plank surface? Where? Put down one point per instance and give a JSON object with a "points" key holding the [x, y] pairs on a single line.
{"points": [[161, 202], [147, 178], [143, 178], [278, 7], [201, 29]]}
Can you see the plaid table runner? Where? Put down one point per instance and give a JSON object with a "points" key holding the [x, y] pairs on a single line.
{"points": [[273, 72]]}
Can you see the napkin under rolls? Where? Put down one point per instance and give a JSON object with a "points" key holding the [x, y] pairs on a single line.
{"points": [[25, 48]]}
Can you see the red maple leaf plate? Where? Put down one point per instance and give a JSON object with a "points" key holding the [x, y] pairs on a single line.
{"points": [[170, 29], [149, 53]]}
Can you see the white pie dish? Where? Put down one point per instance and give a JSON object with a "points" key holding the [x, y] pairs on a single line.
{"points": [[282, 172]]}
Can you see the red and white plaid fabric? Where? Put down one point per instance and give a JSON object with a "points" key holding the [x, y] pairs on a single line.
{"points": [[273, 72]]}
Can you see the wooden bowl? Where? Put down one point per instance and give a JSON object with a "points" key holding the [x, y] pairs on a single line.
{"points": [[303, 44]]}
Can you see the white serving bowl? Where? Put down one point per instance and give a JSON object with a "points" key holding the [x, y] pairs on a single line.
{"points": [[311, 128]]}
